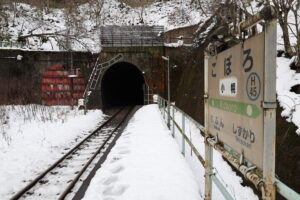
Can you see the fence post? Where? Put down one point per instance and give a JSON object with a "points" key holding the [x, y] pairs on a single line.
{"points": [[164, 104], [208, 148], [183, 132], [173, 124], [269, 106], [160, 104], [148, 100]]}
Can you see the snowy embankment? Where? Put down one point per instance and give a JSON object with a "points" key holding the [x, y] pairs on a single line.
{"points": [[288, 100], [144, 164], [287, 78], [226, 175], [33, 137]]}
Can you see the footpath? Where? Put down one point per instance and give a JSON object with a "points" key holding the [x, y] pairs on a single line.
{"points": [[145, 164]]}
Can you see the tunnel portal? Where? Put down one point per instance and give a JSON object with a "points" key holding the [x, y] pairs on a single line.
{"points": [[122, 84]]}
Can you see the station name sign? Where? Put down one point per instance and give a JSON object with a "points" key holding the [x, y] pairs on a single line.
{"points": [[236, 92]]}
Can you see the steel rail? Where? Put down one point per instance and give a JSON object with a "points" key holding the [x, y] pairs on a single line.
{"points": [[75, 180], [43, 174]]}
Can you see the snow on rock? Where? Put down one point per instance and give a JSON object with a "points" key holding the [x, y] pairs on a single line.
{"points": [[30, 20], [33, 137], [144, 164], [289, 101], [179, 43], [171, 14]]}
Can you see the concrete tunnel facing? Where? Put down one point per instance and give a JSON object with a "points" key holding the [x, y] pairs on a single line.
{"points": [[122, 84]]}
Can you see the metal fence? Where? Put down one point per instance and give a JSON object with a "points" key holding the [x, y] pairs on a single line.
{"points": [[127, 36], [11, 44], [189, 134]]}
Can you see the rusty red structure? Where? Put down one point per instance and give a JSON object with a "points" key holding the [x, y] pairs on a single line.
{"points": [[61, 87]]}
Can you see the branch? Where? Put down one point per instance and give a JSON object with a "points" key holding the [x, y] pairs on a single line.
{"points": [[59, 33], [56, 35]]}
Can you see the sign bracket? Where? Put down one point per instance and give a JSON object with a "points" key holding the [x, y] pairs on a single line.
{"points": [[269, 105]]}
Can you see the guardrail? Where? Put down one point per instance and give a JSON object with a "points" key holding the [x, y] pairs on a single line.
{"points": [[11, 44], [131, 36], [192, 143], [180, 125], [128, 42]]}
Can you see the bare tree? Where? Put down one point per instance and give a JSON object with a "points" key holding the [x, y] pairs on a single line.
{"points": [[3, 16], [283, 8], [95, 11], [141, 10], [295, 30]]}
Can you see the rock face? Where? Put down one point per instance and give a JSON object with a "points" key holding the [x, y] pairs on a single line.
{"points": [[287, 153], [187, 80]]}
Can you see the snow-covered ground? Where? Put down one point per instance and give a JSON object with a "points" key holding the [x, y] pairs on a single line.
{"points": [[33, 137], [144, 164]]}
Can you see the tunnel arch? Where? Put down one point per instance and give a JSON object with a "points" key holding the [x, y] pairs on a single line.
{"points": [[122, 84]]}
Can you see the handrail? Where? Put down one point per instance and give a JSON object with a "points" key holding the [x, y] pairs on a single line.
{"points": [[200, 158], [248, 172], [285, 190], [162, 103]]}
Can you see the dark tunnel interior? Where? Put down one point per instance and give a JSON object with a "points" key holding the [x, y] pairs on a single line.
{"points": [[122, 84]]}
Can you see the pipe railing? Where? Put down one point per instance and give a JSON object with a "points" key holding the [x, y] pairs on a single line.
{"points": [[11, 44], [248, 172], [162, 103]]}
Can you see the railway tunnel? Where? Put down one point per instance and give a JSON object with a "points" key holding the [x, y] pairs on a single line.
{"points": [[122, 84]]}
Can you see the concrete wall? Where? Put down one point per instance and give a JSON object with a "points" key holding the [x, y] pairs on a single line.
{"points": [[146, 59]]}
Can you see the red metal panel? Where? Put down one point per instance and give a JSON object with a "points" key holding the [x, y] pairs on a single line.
{"points": [[78, 87], [59, 89], [56, 88], [77, 95], [46, 80], [56, 74], [79, 81]]}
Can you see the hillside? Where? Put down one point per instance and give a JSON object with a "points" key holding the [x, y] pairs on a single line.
{"points": [[76, 27]]}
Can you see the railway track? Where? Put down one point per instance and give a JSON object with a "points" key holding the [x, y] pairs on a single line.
{"points": [[58, 181]]}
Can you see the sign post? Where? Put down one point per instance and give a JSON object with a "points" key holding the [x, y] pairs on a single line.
{"points": [[269, 106], [208, 148]]}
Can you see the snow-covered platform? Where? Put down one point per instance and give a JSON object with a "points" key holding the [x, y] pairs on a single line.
{"points": [[145, 163]]}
